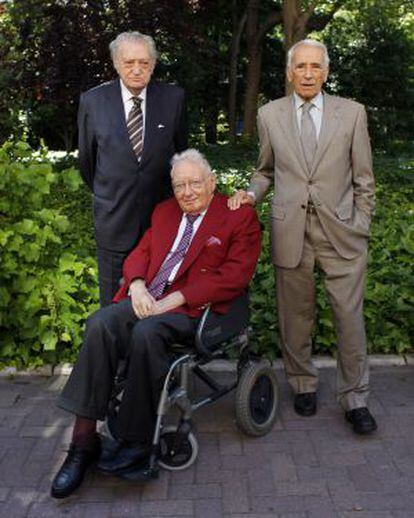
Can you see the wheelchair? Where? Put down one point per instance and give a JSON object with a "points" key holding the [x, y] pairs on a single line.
{"points": [[175, 446]]}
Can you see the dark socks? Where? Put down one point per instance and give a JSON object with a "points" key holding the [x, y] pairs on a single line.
{"points": [[84, 432]]}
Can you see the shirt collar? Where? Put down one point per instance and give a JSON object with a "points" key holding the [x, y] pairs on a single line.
{"points": [[127, 96], [202, 213], [316, 101]]}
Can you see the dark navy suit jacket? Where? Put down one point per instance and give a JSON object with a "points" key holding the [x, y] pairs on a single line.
{"points": [[125, 192]]}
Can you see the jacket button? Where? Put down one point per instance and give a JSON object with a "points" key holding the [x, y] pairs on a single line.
{"points": [[310, 182], [303, 206]]}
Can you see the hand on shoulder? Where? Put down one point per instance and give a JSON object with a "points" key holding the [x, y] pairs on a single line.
{"points": [[240, 198]]}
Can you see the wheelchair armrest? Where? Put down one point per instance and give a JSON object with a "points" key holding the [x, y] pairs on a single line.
{"points": [[199, 345], [214, 328]]}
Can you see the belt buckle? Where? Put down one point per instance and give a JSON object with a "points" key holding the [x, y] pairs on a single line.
{"points": [[311, 208]]}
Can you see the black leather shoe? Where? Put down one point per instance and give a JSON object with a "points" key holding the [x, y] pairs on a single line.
{"points": [[305, 403], [73, 469], [361, 420], [110, 449], [127, 457]]}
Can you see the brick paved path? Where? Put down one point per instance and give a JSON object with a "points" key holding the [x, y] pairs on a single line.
{"points": [[307, 467]]}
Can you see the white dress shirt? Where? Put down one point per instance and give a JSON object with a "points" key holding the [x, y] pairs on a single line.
{"points": [[178, 237], [127, 99], [316, 112]]}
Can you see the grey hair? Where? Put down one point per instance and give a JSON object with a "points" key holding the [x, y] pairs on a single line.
{"points": [[310, 43], [136, 37], [194, 156]]}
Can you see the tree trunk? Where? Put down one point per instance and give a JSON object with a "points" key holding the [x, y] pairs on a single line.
{"points": [[255, 34], [294, 28], [238, 26], [252, 89]]}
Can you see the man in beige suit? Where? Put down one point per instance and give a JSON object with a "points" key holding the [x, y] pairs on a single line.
{"points": [[315, 149]]}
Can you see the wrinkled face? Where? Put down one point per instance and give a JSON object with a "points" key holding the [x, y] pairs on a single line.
{"points": [[307, 72], [193, 187], [134, 65]]}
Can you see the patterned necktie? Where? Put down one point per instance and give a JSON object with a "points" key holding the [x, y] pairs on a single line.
{"points": [[308, 134], [135, 127], [157, 286]]}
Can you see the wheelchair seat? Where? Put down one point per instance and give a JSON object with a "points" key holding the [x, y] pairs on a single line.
{"points": [[175, 447]]}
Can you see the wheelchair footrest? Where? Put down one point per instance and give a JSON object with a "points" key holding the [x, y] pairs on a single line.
{"points": [[141, 474]]}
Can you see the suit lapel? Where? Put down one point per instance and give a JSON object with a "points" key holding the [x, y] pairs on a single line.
{"points": [[330, 122], [289, 125], [164, 240], [212, 220], [116, 112]]}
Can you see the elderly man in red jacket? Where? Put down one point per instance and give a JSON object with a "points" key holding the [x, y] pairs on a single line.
{"points": [[197, 252]]}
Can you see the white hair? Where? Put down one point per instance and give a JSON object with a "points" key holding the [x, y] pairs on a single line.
{"points": [[309, 43], [136, 37], [193, 156]]}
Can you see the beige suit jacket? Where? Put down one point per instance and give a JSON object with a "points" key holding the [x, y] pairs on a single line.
{"points": [[340, 183]]}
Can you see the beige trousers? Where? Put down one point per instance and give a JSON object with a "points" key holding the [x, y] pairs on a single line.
{"points": [[344, 282]]}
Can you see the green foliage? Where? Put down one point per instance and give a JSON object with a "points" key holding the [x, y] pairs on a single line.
{"points": [[371, 48], [46, 288], [48, 282], [389, 299]]}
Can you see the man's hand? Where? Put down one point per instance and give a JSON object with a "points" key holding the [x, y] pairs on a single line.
{"points": [[171, 301], [143, 302], [240, 198]]}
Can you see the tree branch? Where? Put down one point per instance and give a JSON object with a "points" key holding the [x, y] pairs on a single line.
{"points": [[272, 19]]}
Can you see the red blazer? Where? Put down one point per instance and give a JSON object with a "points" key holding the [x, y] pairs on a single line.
{"points": [[218, 265]]}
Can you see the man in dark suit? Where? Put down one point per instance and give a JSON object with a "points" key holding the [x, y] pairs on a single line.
{"points": [[315, 150], [197, 252], [129, 129]]}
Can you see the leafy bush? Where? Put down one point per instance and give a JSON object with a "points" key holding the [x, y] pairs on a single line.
{"points": [[389, 296], [46, 290], [48, 282]]}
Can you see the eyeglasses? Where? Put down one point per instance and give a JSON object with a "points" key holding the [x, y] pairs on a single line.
{"points": [[194, 185]]}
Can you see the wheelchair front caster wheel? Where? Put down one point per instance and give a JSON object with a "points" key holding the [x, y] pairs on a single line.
{"points": [[177, 451], [257, 399]]}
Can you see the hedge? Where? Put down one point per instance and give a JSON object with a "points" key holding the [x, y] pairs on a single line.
{"points": [[48, 278]]}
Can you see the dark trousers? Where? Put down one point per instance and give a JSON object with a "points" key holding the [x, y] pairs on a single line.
{"points": [[109, 272], [114, 333]]}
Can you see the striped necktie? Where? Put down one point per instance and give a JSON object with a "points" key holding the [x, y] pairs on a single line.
{"points": [[158, 284], [135, 125], [308, 134]]}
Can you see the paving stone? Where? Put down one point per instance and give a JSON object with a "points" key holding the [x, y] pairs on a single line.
{"points": [[261, 481], [235, 492], [304, 468], [293, 504], [195, 491], [366, 514], [364, 479], [170, 508], [283, 468], [18, 503], [209, 508], [4, 491], [156, 489]]}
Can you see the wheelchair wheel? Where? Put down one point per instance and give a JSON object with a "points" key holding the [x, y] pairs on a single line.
{"points": [[176, 454], [257, 399]]}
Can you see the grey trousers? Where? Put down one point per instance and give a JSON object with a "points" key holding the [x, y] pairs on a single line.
{"points": [[115, 333], [344, 282]]}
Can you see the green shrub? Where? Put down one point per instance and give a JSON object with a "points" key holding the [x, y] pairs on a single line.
{"points": [[48, 281], [46, 291], [389, 299]]}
